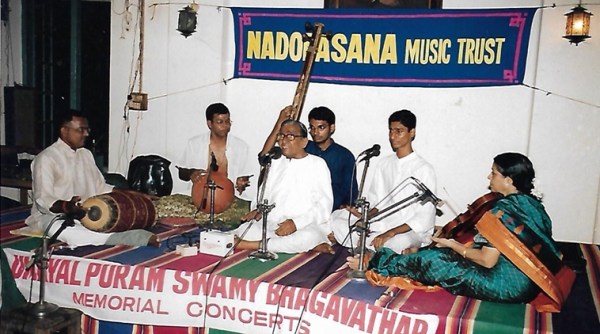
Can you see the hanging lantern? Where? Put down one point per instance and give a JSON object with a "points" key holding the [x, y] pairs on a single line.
{"points": [[578, 25], [186, 24]]}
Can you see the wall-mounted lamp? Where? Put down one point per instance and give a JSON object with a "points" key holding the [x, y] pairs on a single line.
{"points": [[578, 25], [186, 24]]}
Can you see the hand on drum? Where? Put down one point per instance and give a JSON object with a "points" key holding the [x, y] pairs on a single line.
{"points": [[71, 207]]}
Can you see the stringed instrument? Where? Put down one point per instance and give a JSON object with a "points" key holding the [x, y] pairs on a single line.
{"points": [[459, 227], [301, 88], [304, 79], [201, 189]]}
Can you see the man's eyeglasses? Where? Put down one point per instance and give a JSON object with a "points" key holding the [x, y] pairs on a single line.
{"points": [[81, 129], [288, 136]]}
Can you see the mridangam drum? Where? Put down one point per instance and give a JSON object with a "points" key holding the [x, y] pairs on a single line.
{"points": [[118, 211]]}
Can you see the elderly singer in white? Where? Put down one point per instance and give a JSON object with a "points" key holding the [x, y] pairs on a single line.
{"points": [[299, 185]]}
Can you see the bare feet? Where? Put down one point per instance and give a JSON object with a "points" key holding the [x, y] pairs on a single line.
{"points": [[352, 262], [323, 248], [410, 250], [331, 238], [245, 244]]}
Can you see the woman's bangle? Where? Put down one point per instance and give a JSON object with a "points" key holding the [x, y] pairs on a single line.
{"points": [[464, 252]]}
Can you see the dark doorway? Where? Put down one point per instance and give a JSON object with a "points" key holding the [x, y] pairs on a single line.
{"points": [[66, 60]]}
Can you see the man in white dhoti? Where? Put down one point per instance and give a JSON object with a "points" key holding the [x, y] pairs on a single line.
{"points": [[299, 185], [412, 225], [64, 174]]}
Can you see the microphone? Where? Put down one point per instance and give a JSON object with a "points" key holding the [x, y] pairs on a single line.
{"points": [[426, 193], [77, 214], [213, 162], [35, 257], [273, 154], [370, 152]]}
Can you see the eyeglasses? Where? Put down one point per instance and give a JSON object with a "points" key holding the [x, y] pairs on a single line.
{"points": [[288, 136], [81, 129]]}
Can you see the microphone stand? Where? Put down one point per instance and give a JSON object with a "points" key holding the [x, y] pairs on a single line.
{"points": [[264, 208], [360, 199], [423, 194], [262, 253], [363, 177], [396, 206], [212, 186], [42, 257], [363, 229], [362, 226]]}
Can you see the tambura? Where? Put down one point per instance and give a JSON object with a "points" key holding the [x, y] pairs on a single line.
{"points": [[118, 211]]}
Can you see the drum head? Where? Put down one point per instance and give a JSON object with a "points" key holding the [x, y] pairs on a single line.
{"points": [[100, 213]]}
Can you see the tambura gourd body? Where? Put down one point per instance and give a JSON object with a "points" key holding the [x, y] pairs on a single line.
{"points": [[118, 211]]}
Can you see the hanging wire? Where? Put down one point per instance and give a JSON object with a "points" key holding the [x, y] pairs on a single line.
{"points": [[547, 92]]}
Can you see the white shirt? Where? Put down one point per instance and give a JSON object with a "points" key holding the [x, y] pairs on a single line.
{"points": [[300, 190], [387, 175], [239, 161], [59, 173]]}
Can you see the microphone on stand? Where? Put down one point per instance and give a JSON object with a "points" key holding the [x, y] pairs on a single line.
{"points": [[273, 154], [77, 214], [213, 162], [370, 152], [40, 253], [426, 193]]}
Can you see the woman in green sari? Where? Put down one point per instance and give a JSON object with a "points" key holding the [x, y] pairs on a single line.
{"points": [[481, 271]]}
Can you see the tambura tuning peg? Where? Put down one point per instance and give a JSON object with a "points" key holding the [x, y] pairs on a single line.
{"points": [[308, 27]]}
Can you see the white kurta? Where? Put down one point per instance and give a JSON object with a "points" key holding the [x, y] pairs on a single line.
{"points": [[60, 173], [300, 189], [239, 161], [420, 216]]}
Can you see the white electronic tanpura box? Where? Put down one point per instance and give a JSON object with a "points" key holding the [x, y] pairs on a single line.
{"points": [[215, 242]]}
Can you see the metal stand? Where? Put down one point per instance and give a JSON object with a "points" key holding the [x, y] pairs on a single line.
{"points": [[212, 186], [41, 258], [359, 203], [264, 207], [393, 208], [362, 226], [262, 253], [362, 179]]}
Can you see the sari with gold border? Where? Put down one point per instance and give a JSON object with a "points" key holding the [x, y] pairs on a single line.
{"points": [[519, 227]]}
